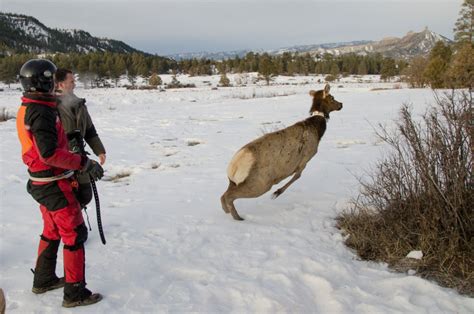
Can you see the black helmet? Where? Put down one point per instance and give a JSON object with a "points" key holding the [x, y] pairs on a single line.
{"points": [[36, 75]]}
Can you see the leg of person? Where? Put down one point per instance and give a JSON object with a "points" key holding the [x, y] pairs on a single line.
{"points": [[45, 278], [74, 234]]}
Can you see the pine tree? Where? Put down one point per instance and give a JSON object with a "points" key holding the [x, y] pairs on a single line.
{"points": [[461, 71], [9, 67], [464, 27], [436, 70], [414, 73], [266, 68], [118, 68], [334, 71], [362, 68], [388, 69]]}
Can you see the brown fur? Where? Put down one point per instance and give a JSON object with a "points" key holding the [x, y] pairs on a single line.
{"points": [[266, 161]]}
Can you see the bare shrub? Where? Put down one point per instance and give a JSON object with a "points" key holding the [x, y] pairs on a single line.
{"points": [[224, 81], [420, 197], [262, 94], [4, 115], [330, 78]]}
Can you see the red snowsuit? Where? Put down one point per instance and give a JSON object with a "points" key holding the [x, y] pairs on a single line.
{"points": [[45, 152]]}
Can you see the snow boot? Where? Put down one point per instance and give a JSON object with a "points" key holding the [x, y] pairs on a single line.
{"points": [[45, 278], [76, 294], [55, 284]]}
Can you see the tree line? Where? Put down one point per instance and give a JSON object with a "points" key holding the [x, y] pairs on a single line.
{"points": [[102, 66], [446, 66], [96, 67]]}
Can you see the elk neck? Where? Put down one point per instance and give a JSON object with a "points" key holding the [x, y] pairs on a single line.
{"points": [[317, 121]]}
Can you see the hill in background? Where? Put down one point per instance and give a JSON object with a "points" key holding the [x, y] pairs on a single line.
{"points": [[21, 33]]}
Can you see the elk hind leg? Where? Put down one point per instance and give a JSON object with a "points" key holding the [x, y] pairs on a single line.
{"points": [[224, 202], [228, 198], [233, 211], [227, 201]]}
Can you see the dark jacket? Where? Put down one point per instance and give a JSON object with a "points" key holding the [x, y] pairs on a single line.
{"points": [[74, 115]]}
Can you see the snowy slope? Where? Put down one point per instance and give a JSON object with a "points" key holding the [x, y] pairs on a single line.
{"points": [[171, 248], [27, 34]]}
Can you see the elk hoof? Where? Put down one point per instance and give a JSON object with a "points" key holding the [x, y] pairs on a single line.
{"points": [[238, 218], [276, 194], [235, 215]]}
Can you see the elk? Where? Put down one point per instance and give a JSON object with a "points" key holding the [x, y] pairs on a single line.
{"points": [[269, 159]]}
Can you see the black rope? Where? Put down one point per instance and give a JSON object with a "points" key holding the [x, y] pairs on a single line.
{"points": [[87, 215], [97, 209]]}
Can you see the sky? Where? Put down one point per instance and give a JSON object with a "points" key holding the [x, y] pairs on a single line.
{"points": [[167, 27]]}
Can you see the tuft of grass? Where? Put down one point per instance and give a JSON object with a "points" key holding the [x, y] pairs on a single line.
{"points": [[5, 115], [420, 197], [120, 175]]}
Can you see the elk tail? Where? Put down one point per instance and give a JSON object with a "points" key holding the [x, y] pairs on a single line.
{"points": [[240, 166]]}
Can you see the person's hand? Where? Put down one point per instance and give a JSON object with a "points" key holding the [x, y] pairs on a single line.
{"points": [[92, 168], [102, 158]]}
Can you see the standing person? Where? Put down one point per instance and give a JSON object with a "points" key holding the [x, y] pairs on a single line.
{"points": [[75, 117], [50, 167]]}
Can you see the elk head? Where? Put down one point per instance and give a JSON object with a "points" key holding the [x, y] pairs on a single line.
{"points": [[324, 102]]}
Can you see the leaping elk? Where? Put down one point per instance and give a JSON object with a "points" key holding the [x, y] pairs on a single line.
{"points": [[266, 161]]}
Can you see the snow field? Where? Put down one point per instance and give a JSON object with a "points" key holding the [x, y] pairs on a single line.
{"points": [[171, 248]]}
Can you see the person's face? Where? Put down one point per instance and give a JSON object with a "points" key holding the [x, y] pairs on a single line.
{"points": [[68, 84]]}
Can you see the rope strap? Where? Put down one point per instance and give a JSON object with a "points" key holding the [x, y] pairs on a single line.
{"points": [[64, 175]]}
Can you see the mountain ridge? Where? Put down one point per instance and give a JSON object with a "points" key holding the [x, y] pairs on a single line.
{"points": [[22, 33], [411, 45]]}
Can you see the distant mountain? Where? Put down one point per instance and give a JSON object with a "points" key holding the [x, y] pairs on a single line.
{"points": [[241, 53], [317, 47], [211, 55], [21, 33], [411, 45]]}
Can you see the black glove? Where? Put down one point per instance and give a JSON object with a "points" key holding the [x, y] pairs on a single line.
{"points": [[94, 169]]}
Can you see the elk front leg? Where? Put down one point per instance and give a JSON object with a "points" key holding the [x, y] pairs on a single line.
{"points": [[283, 188]]}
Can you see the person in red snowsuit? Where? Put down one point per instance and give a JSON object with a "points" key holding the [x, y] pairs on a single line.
{"points": [[51, 169]]}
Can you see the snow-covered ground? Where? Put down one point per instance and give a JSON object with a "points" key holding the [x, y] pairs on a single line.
{"points": [[171, 248]]}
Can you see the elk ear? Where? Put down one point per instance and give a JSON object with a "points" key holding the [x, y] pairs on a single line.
{"points": [[326, 90], [312, 93]]}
